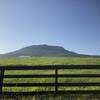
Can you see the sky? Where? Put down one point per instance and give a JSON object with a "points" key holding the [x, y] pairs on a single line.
{"points": [[73, 24]]}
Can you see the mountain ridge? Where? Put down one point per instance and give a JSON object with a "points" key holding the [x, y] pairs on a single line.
{"points": [[43, 51]]}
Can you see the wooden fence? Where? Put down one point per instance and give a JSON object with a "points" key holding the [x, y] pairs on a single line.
{"points": [[56, 76]]}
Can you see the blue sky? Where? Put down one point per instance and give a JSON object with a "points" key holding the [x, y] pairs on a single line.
{"points": [[73, 24]]}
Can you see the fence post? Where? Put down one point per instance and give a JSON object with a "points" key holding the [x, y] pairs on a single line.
{"points": [[1, 79], [56, 80]]}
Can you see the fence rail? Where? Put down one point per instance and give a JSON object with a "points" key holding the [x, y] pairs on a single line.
{"points": [[56, 76]]}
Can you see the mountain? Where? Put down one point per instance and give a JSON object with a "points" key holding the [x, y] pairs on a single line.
{"points": [[42, 51]]}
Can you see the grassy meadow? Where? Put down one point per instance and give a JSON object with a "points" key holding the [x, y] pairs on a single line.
{"points": [[50, 61]]}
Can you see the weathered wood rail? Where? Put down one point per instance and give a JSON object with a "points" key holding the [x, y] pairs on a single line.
{"points": [[56, 75]]}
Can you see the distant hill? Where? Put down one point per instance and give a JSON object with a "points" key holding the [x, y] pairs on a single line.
{"points": [[42, 51]]}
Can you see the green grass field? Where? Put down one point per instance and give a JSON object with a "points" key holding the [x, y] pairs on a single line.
{"points": [[50, 61]]}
